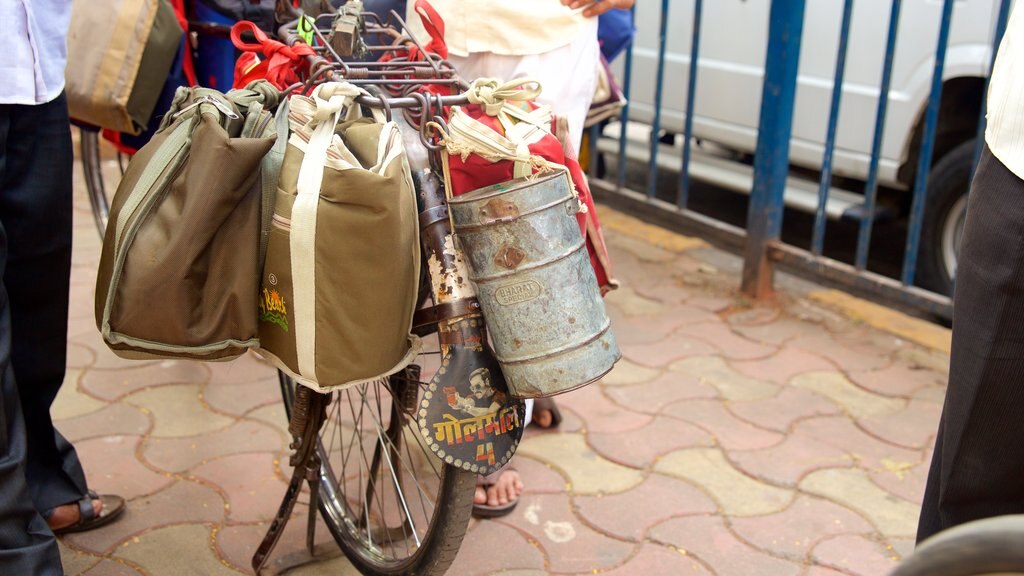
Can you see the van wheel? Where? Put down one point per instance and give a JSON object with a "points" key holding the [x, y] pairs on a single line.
{"points": [[944, 216]]}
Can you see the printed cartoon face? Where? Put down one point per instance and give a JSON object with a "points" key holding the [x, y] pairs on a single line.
{"points": [[480, 384]]}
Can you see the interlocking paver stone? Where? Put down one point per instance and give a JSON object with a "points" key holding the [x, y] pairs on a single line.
{"points": [[178, 410], [844, 358], [632, 304], [782, 366], [588, 472], [735, 493], [655, 559], [779, 413], [79, 356], [858, 402], [602, 414], [855, 554], [111, 467], [111, 420], [111, 568], [626, 372], [538, 477], [569, 545], [652, 397], [74, 561], [71, 401], [492, 546], [641, 447], [729, 383], [113, 384], [913, 427], [902, 479], [163, 551], [250, 481], [673, 347], [899, 379], [728, 343], [180, 454], [707, 538], [731, 432], [238, 398], [852, 488], [794, 531], [786, 463], [869, 452], [628, 516]]}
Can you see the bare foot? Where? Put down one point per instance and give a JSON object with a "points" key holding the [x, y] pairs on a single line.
{"points": [[507, 488], [68, 514]]}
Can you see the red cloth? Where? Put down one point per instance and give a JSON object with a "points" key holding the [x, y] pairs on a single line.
{"points": [[281, 64], [478, 172]]}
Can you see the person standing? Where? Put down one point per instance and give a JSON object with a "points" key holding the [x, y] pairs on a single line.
{"points": [[555, 43], [977, 470], [42, 484]]}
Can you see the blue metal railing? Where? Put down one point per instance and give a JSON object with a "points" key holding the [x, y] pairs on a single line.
{"points": [[818, 239], [761, 240]]}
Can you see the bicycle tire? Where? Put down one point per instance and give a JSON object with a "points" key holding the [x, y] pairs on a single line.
{"points": [[430, 546], [100, 191], [984, 547]]}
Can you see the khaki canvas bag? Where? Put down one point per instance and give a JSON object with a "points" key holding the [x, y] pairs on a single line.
{"points": [[119, 55], [341, 276], [179, 272]]}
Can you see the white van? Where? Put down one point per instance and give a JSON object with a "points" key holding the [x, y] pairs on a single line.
{"points": [[734, 39]]}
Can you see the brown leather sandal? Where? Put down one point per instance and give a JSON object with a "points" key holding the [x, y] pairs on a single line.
{"points": [[88, 519]]}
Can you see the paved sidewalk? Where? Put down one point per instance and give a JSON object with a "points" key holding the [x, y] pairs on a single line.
{"points": [[730, 440]]}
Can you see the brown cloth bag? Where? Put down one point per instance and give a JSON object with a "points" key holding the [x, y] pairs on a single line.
{"points": [[119, 55], [179, 272], [341, 276]]}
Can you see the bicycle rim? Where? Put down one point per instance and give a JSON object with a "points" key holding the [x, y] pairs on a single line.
{"points": [[389, 503]]}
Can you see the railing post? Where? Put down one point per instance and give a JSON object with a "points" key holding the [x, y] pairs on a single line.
{"points": [[771, 159]]}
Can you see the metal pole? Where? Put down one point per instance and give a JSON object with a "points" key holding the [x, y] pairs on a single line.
{"points": [[627, 78], [684, 176], [867, 218], [924, 163], [771, 160], [652, 176], [818, 240]]}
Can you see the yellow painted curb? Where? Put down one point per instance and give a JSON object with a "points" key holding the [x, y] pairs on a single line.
{"points": [[909, 328], [638, 229]]}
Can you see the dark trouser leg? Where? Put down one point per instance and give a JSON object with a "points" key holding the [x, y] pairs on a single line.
{"points": [[36, 210], [26, 544], [978, 467]]}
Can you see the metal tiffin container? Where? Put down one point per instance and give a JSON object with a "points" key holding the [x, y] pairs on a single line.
{"points": [[540, 298]]}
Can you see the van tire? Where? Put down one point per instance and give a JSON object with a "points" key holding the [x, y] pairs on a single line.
{"points": [[945, 209]]}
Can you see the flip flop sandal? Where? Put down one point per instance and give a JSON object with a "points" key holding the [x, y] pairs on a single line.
{"points": [[113, 507], [487, 511], [549, 405]]}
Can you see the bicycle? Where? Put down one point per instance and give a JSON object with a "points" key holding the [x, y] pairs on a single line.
{"points": [[390, 503]]}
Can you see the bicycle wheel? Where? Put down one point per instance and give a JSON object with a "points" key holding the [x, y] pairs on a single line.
{"points": [[390, 504], [101, 176], [989, 547]]}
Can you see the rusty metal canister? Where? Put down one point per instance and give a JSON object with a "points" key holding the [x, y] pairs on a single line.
{"points": [[536, 287]]}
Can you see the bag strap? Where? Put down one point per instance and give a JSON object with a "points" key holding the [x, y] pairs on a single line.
{"points": [[270, 173], [282, 60]]}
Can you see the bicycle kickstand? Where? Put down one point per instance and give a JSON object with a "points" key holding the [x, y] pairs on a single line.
{"points": [[306, 463]]}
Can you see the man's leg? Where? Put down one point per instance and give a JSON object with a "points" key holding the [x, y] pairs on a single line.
{"points": [[26, 544], [977, 470], [37, 209]]}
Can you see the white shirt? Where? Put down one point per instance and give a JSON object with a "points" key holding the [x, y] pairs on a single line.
{"points": [[33, 49], [509, 27], [1004, 131]]}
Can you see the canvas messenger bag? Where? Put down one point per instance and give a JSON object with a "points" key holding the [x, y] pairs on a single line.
{"points": [[179, 272], [340, 281]]}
